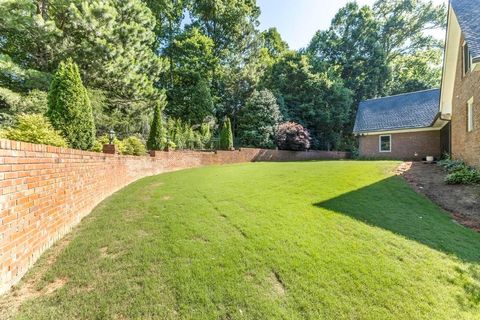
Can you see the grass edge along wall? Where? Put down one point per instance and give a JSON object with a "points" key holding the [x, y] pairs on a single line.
{"points": [[45, 190]]}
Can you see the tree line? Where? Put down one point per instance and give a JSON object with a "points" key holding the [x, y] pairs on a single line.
{"points": [[196, 63]]}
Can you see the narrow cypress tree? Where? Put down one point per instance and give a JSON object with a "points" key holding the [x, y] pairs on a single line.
{"points": [[69, 107], [226, 135], [157, 139]]}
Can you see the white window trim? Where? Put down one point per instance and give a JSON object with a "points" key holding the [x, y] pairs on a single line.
{"points": [[470, 115], [465, 71], [380, 143]]}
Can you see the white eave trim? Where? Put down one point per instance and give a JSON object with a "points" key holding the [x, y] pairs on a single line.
{"points": [[450, 59]]}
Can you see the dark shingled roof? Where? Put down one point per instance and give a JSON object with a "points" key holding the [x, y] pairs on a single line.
{"points": [[468, 13], [405, 111]]}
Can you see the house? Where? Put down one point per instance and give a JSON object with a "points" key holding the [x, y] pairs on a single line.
{"points": [[460, 90], [432, 122], [405, 126]]}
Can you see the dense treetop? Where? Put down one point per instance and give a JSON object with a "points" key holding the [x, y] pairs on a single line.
{"points": [[199, 61]]}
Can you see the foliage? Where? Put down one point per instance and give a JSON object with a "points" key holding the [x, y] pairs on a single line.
{"points": [[206, 135], [458, 172], [381, 50], [33, 128], [157, 139], [273, 43], [134, 146], [31, 39], [190, 97], [258, 121], [205, 58], [121, 46], [402, 26], [452, 165], [21, 79], [229, 23], [354, 46], [465, 175], [419, 71], [226, 136], [14, 103], [292, 136], [318, 101], [182, 135], [112, 42], [69, 107], [104, 139]]}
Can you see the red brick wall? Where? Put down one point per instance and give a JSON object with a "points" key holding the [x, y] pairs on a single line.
{"points": [[404, 145], [465, 145], [45, 191]]}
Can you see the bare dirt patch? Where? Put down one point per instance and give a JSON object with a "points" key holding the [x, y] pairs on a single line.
{"points": [[200, 239], [278, 287], [131, 215], [104, 253], [55, 285], [166, 198], [28, 288], [142, 233], [462, 201]]}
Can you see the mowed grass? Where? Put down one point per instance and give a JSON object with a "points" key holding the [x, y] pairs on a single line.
{"points": [[311, 240]]}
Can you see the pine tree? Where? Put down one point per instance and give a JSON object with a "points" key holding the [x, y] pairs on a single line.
{"points": [[157, 140], [69, 107], [226, 136]]}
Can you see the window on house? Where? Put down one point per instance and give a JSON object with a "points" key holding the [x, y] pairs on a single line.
{"points": [[467, 59], [470, 115], [385, 143]]}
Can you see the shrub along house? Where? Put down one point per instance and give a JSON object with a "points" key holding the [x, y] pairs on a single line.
{"points": [[405, 126], [399, 126]]}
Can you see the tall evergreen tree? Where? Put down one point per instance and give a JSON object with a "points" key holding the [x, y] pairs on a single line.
{"points": [[157, 139], [259, 119], [69, 107], [226, 135]]}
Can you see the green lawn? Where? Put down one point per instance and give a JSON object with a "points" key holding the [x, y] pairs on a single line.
{"points": [[311, 240]]}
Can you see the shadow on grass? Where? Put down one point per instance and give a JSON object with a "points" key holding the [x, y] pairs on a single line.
{"points": [[392, 205]]}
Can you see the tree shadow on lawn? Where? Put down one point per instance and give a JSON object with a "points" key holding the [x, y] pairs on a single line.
{"points": [[392, 205]]}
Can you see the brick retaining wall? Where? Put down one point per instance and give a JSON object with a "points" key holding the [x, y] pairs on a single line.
{"points": [[45, 190]]}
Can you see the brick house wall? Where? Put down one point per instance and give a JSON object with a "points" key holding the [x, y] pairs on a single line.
{"points": [[403, 145], [465, 145], [45, 191]]}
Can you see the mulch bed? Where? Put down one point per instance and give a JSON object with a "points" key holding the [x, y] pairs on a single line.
{"points": [[462, 201]]}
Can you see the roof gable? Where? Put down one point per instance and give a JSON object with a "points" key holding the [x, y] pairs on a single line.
{"points": [[406, 111], [468, 12]]}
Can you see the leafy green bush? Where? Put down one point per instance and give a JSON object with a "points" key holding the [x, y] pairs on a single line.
{"points": [[134, 146], [465, 175], [452, 165], [34, 128], [69, 106], [183, 136], [100, 141], [458, 172], [226, 136]]}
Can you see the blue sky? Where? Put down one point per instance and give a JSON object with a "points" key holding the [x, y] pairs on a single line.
{"points": [[298, 20]]}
